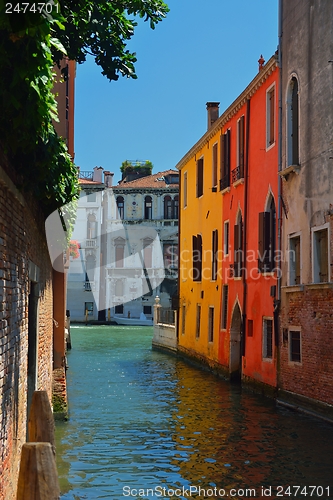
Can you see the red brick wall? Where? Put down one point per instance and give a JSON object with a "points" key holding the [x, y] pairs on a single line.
{"points": [[311, 310], [22, 240]]}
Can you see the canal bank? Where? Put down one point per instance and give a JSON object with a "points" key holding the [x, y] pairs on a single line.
{"points": [[142, 419]]}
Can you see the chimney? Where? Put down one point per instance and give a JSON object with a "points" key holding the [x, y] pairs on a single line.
{"points": [[212, 113], [261, 62], [108, 178], [97, 175]]}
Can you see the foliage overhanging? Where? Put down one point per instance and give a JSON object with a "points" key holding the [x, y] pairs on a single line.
{"points": [[30, 44]]}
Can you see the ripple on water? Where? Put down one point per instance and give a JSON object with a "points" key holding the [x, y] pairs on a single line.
{"points": [[142, 418]]}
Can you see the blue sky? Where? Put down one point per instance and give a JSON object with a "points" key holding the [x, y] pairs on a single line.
{"points": [[205, 50]]}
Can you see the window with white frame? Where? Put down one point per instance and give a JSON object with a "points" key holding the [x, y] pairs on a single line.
{"points": [[183, 318], [200, 177], [270, 116], [185, 190], [320, 254], [267, 352], [197, 331], [293, 123], [210, 324], [226, 237], [224, 309], [295, 347], [214, 167], [294, 260]]}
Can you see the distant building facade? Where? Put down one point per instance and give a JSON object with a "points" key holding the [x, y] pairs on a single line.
{"points": [[147, 208], [128, 245]]}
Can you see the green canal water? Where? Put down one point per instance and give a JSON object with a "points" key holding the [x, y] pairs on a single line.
{"points": [[147, 425]]}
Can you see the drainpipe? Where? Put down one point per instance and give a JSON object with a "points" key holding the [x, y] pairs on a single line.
{"points": [[246, 188], [277, 303]]}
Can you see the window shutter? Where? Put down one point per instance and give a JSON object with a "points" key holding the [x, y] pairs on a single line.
{"points": [[222, 157], [264, 241], [241, 146], [236, 250], [294, 118], [271, 115]]}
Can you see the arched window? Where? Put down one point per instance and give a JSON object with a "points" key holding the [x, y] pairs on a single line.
{"points": [[293, 123], [175, 207], [167, 207], [267, 237], [148, 207], [238, 246], [120, 207], [91, 227]]}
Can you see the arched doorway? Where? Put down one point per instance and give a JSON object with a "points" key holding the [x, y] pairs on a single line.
{"points": [[235, 363]]}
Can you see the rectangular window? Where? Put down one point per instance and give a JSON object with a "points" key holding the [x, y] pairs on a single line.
{"points": [[225, 160], [183, 319], [214, 167], [214, 254], [226, 238], [210, 324], [320, 256], [148, 256], [267, 338], [240, 147], [91, 197], [185, 190], [224, 316], [200, 167], [120, 255], [89, 308], [295, 346], [270, 117], [197, 331], [250, 327], [119, 288], [197, 257], [119, 309], [146, 309], [295, 260]]}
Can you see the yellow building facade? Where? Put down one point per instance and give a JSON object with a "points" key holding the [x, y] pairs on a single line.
{"points": [[200, 247]]}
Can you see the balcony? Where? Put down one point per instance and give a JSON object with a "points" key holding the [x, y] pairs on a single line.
{"points": [[90, 243], [224, 182], [237, 174]]}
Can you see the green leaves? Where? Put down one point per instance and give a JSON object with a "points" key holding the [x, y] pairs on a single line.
{"points": [[102, 29], [28, 107]]}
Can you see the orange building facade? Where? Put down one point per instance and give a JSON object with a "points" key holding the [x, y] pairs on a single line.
{"points": [[228, 236], [249, 185]]}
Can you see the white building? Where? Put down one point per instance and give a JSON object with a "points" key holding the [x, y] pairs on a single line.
{"points": [[83, 280], [142, 229], [128, 238]]}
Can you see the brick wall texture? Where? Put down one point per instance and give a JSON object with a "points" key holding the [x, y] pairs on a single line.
{"points": [[22, 241], [311, 311]]}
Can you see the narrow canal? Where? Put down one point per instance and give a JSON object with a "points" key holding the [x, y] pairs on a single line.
{"points": [[147, 425]]}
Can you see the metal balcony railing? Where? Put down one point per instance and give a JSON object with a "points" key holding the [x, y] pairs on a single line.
{"points": [[166, 316], [236, 174]]}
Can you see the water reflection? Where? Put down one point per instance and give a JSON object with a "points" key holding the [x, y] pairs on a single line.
{"points": [[141, 420]]}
